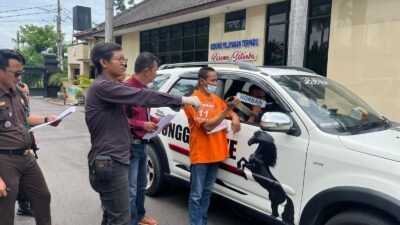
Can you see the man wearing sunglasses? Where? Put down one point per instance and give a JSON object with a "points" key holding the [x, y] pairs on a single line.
{"points": [[24, 206], [19, 171]]}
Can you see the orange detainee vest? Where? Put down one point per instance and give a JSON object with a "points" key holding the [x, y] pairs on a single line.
{"points": [[206, 148]]}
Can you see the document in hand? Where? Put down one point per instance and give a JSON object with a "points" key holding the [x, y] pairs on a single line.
{"points": [[61, 116], [161, 124], [221, 126]]}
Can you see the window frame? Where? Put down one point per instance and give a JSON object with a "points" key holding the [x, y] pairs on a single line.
{"points": [[76, 73], [231, 17], [266, 87], [310, 20], [270, 24], [224, 77], [118, 39], [171, 41], [260, 82]]}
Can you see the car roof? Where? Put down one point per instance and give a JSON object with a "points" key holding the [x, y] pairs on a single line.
{"points": [[276, 71], [269, 71]]}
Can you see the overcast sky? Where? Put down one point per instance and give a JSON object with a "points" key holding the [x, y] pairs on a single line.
{"points": [[42, 12]]}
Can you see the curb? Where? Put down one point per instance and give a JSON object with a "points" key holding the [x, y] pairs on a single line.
{"points": [[54, 102], [80, 108]]}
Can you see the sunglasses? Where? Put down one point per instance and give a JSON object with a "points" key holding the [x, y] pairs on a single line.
{"points": [[16, 74]]}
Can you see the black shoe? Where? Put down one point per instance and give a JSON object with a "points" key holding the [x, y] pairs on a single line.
{"points": [[25, 212]]}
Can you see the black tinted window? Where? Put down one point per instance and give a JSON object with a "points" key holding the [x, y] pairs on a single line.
{"points": [[235, 21]]}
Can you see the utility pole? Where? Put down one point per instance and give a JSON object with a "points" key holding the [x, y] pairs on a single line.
{"points": [[18, 40], [109, 20], [59, 44]]}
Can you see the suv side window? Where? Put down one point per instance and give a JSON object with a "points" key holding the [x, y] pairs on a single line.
{"points": [[158, 81], [184, 87], [232, 87]]}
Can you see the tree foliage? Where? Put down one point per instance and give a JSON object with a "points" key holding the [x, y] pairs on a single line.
{"points": [[56, 79], [35, 40], [33, 59], [38, 38], [121, 6]]}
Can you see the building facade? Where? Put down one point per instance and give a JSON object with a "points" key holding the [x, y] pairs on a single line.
{"points": [[363, 51], [335, 38]]}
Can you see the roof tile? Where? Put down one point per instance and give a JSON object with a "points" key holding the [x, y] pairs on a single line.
{"points": [[148, 9]]}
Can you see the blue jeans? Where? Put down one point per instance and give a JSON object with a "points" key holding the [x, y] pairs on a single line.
{"points": [[137, 182], [202, 179], [113, 194]]}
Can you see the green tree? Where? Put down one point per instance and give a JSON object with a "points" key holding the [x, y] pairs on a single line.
{"points": [[33, 59], [35, 40], [121, 6]]}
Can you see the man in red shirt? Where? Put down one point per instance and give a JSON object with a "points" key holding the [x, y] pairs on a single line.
{"points": [[140, 122]]}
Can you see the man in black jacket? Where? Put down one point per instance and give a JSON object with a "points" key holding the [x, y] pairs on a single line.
{"points": [[109, 156]]}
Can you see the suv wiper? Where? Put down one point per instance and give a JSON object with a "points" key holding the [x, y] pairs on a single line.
{"points": [[385, 123]]}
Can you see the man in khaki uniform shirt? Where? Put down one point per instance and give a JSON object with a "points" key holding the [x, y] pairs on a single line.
{"points": [[19, 170]]}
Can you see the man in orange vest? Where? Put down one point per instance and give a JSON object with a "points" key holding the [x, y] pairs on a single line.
{"points": [[208, 142]]}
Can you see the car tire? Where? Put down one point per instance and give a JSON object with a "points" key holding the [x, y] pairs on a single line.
{"points": [[359, 217], [155, 173]]}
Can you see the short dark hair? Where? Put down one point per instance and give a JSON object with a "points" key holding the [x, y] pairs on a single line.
{"points": [[145, 60], [203, 72], [103, 51], [6, 55], [253, 88]]}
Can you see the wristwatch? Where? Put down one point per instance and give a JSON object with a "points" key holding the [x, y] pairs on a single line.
{"points": [[46, 119]]}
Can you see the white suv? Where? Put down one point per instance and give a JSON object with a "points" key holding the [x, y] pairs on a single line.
{"points": [[336, 161]]}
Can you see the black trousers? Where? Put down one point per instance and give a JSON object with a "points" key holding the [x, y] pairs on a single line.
{"points": [[23, 174], [114, 194]]}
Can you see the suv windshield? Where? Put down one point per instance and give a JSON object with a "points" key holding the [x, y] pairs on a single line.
{"points": [[158, 81], [333, 108]]}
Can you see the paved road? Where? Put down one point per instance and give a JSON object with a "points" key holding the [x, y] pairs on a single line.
{"points": [[62, 157]]}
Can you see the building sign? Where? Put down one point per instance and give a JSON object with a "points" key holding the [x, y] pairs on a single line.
{"points": [[248, 43], [236, 56]]}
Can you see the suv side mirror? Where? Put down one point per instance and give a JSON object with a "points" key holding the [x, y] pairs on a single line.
{"points": [[276, 122]]}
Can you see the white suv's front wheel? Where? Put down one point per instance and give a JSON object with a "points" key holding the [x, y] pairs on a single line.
{"points": [[359, 217], [155, 172]]}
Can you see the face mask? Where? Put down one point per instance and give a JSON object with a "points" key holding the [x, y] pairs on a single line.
{"points": [[212, 88]]}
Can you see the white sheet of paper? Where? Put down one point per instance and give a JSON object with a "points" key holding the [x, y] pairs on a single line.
{"points": [[161, 124], [61, 116], [221, 126]]}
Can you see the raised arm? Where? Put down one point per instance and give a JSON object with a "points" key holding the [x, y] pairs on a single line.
{"points": [[123, 94]]}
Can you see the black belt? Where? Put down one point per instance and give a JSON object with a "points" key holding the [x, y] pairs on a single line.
{"points": [[14, 152], [139, 141]]}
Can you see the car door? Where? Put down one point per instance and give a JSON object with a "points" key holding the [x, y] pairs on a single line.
{"points": [[176, 137], [279, 187]]}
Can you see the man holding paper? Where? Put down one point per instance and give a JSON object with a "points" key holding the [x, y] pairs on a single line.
{"points": [[19, 171], [208, 142], [23, 91], [140, 123]]}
